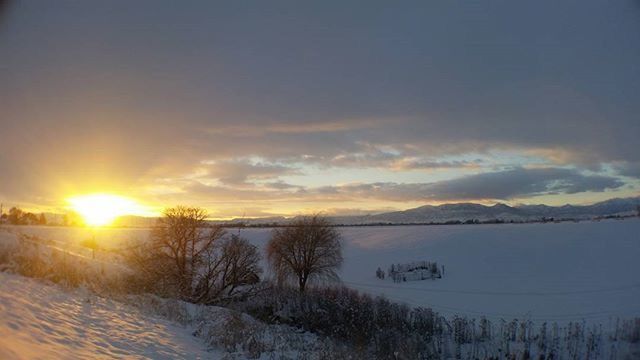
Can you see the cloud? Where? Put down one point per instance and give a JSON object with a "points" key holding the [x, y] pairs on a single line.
{"points": [[297, 128], [400, 157], [279, 185], [631, 169], [391, 88], [511, 184], [243, 213], [238, 172], [522, 183], [356, 211], [421, 164], [197, 191]]}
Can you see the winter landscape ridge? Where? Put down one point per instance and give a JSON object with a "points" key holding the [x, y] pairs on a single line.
{"points": [[430, 214], [541, 273]]}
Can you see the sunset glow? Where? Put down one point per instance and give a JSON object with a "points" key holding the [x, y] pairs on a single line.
{"points": [[103, 209], [260, 117]]}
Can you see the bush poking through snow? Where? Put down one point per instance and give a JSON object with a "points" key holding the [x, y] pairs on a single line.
{"points": [[380, 329], [417, 270], [30, 256], [239, 334]]}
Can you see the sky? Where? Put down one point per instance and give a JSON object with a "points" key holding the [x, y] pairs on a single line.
{"points": [[254, 108]]}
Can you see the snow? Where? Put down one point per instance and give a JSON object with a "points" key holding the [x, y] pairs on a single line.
{"points": [[544, 272], [40, 321], [555, 272]]}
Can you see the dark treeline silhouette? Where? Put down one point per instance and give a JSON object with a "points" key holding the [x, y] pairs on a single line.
{"points": [[435, 223], [17, 216]]}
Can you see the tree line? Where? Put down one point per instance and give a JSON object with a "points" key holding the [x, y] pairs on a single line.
{"points": [[17, 216], [189, 259]]}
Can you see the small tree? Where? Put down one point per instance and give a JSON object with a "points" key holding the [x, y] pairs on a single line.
{"points": [[310, 248]]}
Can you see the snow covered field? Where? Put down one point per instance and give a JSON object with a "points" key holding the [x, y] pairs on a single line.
{"points": [[40, 321], [544, 272]]}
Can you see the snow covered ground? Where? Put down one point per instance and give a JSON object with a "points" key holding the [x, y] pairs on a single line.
{"points": [[40, 321], [545, 272]]}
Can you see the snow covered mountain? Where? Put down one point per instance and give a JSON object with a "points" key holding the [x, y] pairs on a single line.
{"points": [[470, 211]]}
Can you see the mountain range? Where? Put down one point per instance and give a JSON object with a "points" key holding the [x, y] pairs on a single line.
{"points": [[462, 212]]}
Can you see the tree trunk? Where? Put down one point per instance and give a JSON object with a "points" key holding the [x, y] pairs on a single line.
{"points": [[302, 282]]}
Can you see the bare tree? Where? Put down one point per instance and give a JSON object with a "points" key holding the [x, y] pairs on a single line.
{"points": [[231, 264], [183, 236], [309, 248], [187, 258]]}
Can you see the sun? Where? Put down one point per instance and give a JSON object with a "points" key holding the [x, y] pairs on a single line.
{"points": [[103, 209]]}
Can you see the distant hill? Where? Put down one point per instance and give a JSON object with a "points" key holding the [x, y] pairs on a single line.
{"points": [[470, 211], [476, 212]]}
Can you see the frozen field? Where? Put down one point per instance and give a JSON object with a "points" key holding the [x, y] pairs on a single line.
{"points": [[545, 272]]}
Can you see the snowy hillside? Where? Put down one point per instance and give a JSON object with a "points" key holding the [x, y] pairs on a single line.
{"points": [[42, 321], [89, 314]]}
